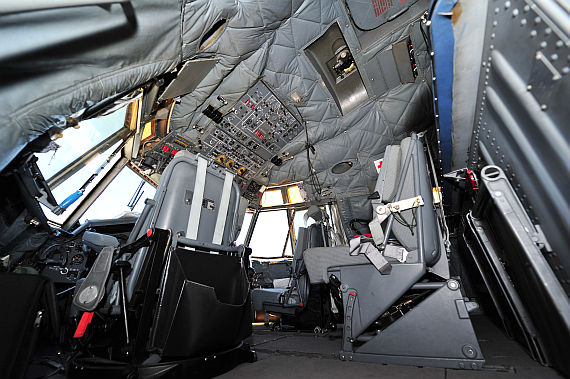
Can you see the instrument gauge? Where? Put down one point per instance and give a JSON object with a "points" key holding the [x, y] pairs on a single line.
{"points": [[77, 259]]}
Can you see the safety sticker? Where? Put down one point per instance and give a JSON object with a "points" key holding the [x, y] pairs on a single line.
{"points": [[378, 164]]}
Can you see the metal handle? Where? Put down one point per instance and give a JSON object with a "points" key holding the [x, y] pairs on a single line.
{"points": [[20, 6], [183, 241]]}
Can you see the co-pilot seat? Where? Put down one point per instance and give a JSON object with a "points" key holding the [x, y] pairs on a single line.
{"points": [[290, 300], [400, 305]]}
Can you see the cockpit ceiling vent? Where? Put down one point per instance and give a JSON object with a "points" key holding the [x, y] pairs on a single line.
{"points": [[212, 34], [341, 167]]}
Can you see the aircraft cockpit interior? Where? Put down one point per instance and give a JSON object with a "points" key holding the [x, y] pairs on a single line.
{"points": [[304, 188]]}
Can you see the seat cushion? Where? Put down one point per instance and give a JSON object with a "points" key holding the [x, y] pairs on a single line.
{"points": [[319, 259], [262, 296], [281, 283]]}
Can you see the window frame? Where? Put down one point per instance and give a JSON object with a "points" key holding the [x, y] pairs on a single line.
{"points": [[72, 168], [105, 176], [286, 201]]}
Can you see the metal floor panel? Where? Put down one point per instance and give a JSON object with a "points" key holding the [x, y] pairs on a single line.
{"points": [[304, 355]]}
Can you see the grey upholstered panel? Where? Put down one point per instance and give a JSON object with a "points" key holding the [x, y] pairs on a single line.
{"points": [[260, 40], [387, 184], [319, 259], [300, 247], [389, 173], [172, 210], [56, 62]]}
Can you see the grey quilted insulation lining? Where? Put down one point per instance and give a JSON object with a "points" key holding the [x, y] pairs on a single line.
{"points": [[55, 63], [263, 41]]}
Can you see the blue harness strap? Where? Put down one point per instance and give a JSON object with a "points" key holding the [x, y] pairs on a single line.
{"points": [[443, 47]]}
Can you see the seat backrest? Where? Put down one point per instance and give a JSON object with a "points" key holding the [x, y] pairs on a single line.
{"points": [[194, 200], [180, 184], [387, 186], [315, 236], [300, 246], [312, 237], [387, 182]]}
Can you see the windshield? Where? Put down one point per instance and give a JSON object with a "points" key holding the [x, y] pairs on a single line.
{"points": [[121, 196], [270, 237]]}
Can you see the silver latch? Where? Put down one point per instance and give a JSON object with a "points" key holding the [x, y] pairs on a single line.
{"points": [[540, 239], [38, 319], [397, 252], [383, 211]]}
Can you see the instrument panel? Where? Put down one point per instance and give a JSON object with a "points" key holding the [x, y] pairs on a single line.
{"points": [[243, 140], [65, 262], [252, 133]]}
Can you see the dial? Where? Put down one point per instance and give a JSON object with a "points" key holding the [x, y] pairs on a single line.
{"points": [[77, 259]]}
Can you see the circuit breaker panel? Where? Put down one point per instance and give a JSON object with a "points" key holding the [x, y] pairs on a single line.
{"points": [[160, 155], [256, 129]]}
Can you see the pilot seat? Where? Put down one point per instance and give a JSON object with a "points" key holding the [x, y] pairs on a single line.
{"points": [[290, 302]]}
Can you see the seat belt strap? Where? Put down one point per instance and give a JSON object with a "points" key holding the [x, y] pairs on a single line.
{"points": [[362, 245], [223, 209], [197, 198]]}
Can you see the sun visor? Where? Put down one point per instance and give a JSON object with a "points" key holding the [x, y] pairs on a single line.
{"points": [[189, 77]]}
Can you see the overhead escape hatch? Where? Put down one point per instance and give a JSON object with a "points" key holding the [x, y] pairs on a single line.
{"points": [[333, 60]]}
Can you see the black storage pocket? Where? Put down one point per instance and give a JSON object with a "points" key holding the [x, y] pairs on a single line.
{"points": [[204, 306]]}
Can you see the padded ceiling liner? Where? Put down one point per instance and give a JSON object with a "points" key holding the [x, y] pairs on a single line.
{"points": [[266, 40], [122, 47], [56, 62], [369, 14]]}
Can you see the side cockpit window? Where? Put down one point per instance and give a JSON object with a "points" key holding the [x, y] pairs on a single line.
{"points": [[126, 193], [280, 216], [75, 164], [75, 142], [271, 237]]}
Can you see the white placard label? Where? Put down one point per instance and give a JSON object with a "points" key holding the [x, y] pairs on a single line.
{"points": [[378, 164]]}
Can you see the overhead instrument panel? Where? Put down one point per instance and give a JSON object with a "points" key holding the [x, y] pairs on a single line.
{"points": [[255, 131]]}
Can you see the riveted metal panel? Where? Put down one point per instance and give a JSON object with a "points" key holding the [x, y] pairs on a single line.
{"points": [[522, 115], [521, 126]]}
